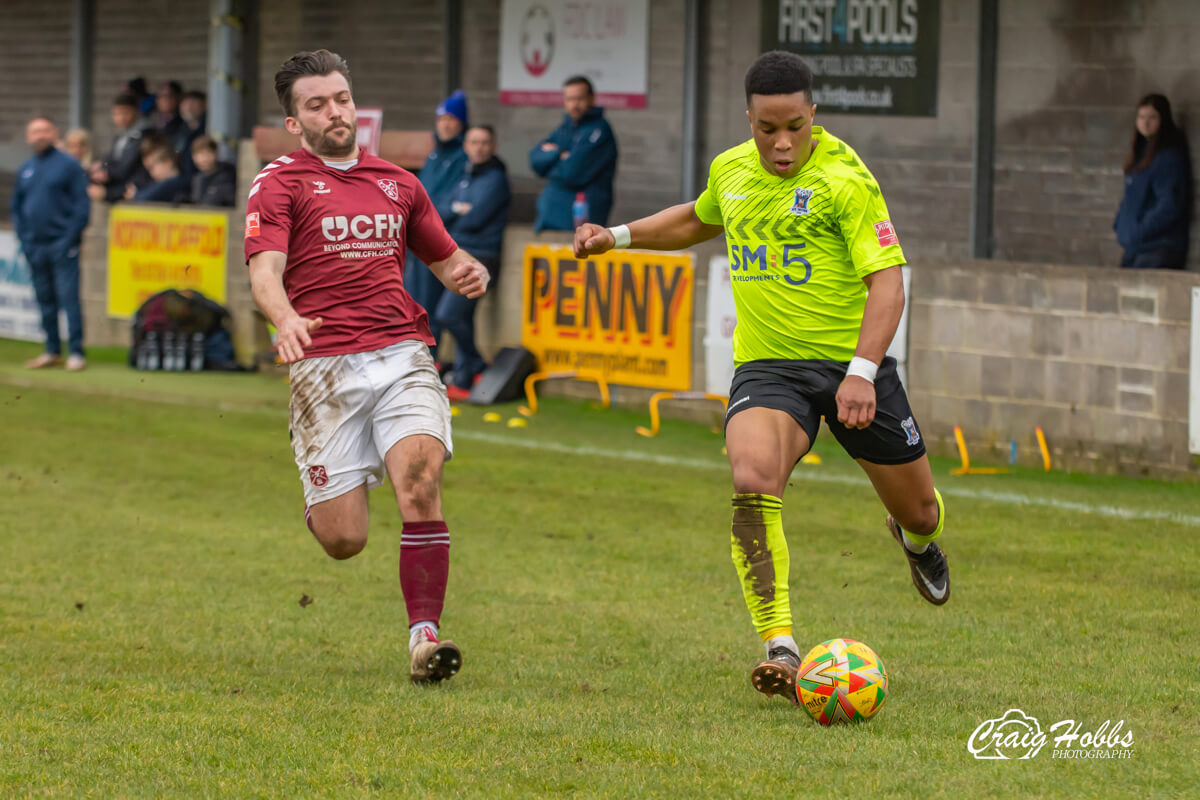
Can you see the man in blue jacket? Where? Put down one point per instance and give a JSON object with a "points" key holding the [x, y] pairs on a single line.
{"points": [[475, 214], [443, 169], [579, 157], [50, 209]]}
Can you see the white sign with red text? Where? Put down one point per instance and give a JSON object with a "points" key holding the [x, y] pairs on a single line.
{"points": [[370, 128], [544, 42]]}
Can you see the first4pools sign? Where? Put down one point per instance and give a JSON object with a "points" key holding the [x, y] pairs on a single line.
{"points": [[152, 249], [627, 314], [867, 56]]}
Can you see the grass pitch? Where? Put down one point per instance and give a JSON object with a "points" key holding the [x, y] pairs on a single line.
{"points": [[153, 641]]}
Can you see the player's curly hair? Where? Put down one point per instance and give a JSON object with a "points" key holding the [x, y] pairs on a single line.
{"points": [[778, 72], [302, 65]]}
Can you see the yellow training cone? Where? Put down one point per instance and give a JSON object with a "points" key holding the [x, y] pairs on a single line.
{"points": [[811, 458], [455, 411], [491, 416], [517, 422]]}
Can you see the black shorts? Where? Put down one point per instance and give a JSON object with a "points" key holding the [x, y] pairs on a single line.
{"points": [[808, 390]]}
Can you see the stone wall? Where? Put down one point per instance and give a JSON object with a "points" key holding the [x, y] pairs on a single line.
{"points": [[1069, 72], [1069, 75], [100, 330], [1097, 357]]}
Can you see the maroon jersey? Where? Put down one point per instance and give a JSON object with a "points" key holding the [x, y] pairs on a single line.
{"points": [[345, 233]]}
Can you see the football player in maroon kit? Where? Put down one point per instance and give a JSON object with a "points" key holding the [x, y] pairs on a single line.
{"points": [[326, 231]]}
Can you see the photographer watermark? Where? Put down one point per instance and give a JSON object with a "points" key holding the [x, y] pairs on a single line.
{"points": [[1017, 735]]}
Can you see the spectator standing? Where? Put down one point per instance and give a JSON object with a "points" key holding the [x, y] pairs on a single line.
{"points": [[215, 181], [123, 163], [166, 113], [169, 184], [50, 210], [1152, 220], [443, 169], [194, 110], [168, 120], [141, 95], [580, 157], [475, 215], [78, 144]]}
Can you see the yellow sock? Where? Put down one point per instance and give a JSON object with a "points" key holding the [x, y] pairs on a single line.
{"points": [[760, 555], [917, 538]]}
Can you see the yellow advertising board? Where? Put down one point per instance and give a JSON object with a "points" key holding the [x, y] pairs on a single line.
{"points": [[626, 313], [151, 249]]}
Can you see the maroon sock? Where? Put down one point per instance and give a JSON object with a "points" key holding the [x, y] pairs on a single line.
{"points": [[424, 567]]}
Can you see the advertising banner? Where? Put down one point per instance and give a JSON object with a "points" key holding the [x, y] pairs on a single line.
{"points": [[544, 42], [151, 249], [1194, 388], [867, 56], [19, 315], [626, 313]]}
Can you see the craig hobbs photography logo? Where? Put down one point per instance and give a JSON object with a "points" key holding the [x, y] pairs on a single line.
{"points": [[1017, 735]]}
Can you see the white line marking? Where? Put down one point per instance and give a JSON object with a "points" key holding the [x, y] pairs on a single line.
{"points": [[988, 495]]}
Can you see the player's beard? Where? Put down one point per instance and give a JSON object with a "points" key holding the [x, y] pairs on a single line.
{"points": [[325, 146]]}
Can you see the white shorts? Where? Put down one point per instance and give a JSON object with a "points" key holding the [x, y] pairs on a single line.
{"points": [[348, 411]]}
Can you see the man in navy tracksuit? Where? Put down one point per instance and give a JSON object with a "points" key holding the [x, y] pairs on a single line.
{"points": [[475, 214], [50, 209], [580, 156], [441, 172]]}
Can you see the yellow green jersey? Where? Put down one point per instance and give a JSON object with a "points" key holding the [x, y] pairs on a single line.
{"points": [[799, 248]]}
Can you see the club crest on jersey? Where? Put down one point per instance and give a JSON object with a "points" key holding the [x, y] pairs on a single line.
{"points": [[390, 188], [800, 207], [320, 188], [318, 477]]}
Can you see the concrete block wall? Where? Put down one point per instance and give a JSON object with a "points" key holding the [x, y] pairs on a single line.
{"points": [[1097, 357], [160, 40], [1069, 75], [40, 35], [396, 51], [100, 330]]}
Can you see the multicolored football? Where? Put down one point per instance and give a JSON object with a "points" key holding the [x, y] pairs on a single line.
{"points": [[841, 680]]}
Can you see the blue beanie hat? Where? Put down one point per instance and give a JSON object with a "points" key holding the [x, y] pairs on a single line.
{"points": [[455, 105]]}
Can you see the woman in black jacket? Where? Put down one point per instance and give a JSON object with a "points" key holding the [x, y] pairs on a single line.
{"points": [[1152, 221]]}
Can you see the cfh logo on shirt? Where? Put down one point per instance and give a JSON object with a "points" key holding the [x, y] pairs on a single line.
{"points": [[252, 225], [886, 234], [380, 226]]}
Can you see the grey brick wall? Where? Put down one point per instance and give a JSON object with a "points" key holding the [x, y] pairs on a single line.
{"points": [[1097, 358], [158, 39], [1070, 73], [395, 50], [39, 35]]}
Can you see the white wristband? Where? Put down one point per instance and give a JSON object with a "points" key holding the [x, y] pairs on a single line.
{"points": [[621, 236], [862, 368]]}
